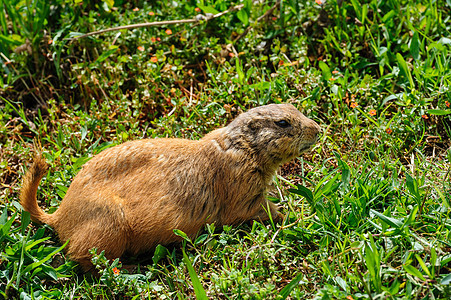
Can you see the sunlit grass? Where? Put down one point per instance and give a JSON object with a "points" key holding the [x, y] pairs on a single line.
{"points": [[367, 210]]}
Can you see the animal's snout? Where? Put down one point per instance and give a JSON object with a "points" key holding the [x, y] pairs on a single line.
{"points": [[311, 130], [316, 128]]}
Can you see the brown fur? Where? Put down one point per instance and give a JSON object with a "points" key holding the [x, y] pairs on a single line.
{"points": [[130, 197]]}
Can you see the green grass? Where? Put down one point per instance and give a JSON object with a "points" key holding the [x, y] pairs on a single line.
{"points": [[367, 210]]}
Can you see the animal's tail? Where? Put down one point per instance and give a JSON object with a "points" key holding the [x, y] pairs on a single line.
{"points": [[29, 190]]}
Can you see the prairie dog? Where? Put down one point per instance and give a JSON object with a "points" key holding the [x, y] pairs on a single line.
{"points": [[130, 198]]}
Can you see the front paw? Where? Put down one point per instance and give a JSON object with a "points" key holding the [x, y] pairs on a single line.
{"points": [[266, 210], [277, 216]]}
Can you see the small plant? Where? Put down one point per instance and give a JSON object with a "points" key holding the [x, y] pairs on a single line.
{"points": [[26, 259], [117, 280]]}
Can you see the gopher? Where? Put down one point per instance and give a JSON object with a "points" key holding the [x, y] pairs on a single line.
{"points": [[130, 198]]}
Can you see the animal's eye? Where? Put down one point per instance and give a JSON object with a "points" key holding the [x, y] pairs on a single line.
{"points": [[282, 123]]}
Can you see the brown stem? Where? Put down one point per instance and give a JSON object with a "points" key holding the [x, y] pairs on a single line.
{"points": [[160, 23]]}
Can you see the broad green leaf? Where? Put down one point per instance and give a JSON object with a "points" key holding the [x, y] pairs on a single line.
{"points": [[392, 97], [4, 229], [22, 258], [326, 268], [8, 40], [50, 271], [243, 16], [433, 259], [375, 251], [394, 288], [390, 221], [445, 260], [34, 243], [159, 253], [411, 217], [446, 280], [81, 161], [369, 257], [341, 282], [423, 266], [303, 191], [208, 9], [262, 85], [328, 186], [414, 271], [25, 221], [4, 216], [181, 234], [415, 46], [315, 93], [74, 34], [345, 170], [439, 112], [356, 5], [200, 239], [327, 74], [106, 54], [412, 186], [110, 3], [373, 264], [364, 13], [388, 16], [375, 225], [61, 190], [405, 69]]}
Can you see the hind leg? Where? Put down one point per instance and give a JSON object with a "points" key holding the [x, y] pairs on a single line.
{"points": [[113, 241]]}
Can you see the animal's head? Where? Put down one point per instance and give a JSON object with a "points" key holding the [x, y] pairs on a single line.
{"points": [[276, 132]]}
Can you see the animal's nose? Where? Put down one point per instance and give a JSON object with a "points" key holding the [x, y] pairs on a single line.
{"points": [[316, 128], [312, 129]]}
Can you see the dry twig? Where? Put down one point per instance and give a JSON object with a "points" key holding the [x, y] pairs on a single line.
{"points": [[197, 19]]}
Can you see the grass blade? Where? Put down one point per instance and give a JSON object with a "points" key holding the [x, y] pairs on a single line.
{"points": [[405, 69], [40, 262], [390, 221], [439, 112], [198, 288], [414, 271], [4, 229], [423, 266], [446, 280], [285, 292], [415, 46], [327, 74]]}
